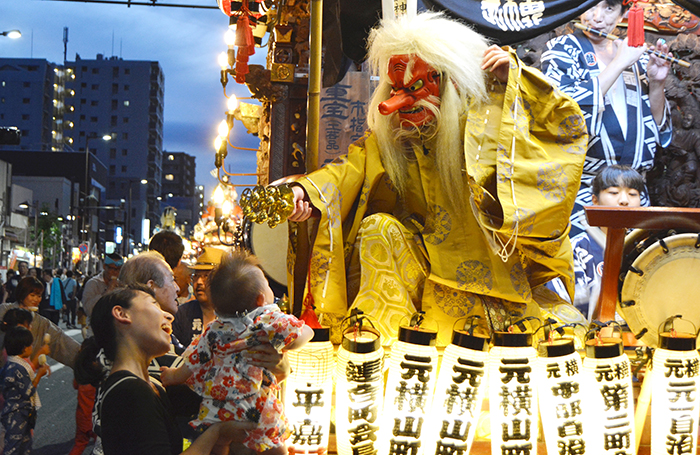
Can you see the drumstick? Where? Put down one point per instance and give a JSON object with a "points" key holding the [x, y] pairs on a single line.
{"points": [[612, 37]]}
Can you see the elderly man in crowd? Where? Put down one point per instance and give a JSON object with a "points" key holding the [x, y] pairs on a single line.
{"points": [[195, 315]]}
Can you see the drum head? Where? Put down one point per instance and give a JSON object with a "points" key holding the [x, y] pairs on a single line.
{"points": [[270, 246], [662, 282]]}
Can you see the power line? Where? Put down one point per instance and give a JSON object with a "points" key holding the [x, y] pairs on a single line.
{"points": [[129, 3]]}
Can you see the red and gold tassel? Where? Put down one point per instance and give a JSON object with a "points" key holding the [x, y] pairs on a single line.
{"points": [[635, 25]]}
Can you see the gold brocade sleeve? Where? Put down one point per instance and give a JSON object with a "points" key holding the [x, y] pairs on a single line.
{"points": [[524, 152], [341, 191]]}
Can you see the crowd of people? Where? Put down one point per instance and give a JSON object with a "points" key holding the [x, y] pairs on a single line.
{"points": [[168, 347], [130, 309]]}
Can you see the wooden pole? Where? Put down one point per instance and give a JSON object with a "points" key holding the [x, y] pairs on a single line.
{"points": [[313, 111]]}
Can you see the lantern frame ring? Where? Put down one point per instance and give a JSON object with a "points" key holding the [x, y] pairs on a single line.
{"points": [[520, 323], [595, 332], [355, 320], [468, 320], [668, 325]]}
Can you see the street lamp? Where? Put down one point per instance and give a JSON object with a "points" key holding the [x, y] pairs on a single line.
{"points": [[128, 219], [12, 34], [105, 138], [26, 206]]}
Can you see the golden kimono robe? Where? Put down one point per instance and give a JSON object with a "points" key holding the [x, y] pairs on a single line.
{"points": [[524, 154]]}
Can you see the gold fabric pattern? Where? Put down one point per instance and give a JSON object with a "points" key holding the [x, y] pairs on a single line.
{"points": [[551, 181], [377, 261], [437, 226]]}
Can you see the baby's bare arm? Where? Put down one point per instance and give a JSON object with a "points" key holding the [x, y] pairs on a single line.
{"points": [[174, 376]]}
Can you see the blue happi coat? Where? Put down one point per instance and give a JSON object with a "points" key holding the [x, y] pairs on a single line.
{"points": [[570, 61]]}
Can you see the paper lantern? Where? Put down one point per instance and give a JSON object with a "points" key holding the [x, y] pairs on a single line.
{"points": [[674, 405], [413, 370], [607, 386], [458, 395], [562, 403], [513, 394], [309, 395], [359, 391]]}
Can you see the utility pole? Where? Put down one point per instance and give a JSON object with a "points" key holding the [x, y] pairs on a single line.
{"points": [[65, 44]]}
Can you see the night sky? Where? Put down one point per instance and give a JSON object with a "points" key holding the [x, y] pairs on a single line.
{"points": [[185, 41]]}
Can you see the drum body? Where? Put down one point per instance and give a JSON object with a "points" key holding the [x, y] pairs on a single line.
{"points": [[270, 246], [660, 277]]}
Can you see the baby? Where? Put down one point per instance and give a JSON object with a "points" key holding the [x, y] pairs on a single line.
{"points": [[215, 368]]}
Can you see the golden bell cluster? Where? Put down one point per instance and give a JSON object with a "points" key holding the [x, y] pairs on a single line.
{"points": [[271, 204]]}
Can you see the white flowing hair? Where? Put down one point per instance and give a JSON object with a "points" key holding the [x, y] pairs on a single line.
{"points": [[456, 52]]}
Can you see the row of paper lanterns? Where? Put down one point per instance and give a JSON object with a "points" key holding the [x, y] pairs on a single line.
{"points": [[586, 405]]}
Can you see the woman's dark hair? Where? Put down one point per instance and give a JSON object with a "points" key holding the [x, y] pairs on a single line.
{"points": [[88, 369], [618, 175], [102, 321], [17, 340], [28, 285], [15, 317]]}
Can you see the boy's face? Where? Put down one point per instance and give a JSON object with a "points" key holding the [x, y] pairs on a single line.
{"points": [[618, 196], [27, 352]]}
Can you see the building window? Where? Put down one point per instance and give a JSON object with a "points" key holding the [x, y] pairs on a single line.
{"points": [[126, 103], [112, 153], [82, 134], [112, 185], [83, 69], [83, 85], [171, 157], [115, 71], [26, 84], [25, 133], [169, 177], [82, 116], [114, 105], [25, 100], [125, 136], [125, 119], [25, 116], [114, 120], [115, 89], [83, 101], [124, 152], [127, 71], [123, 168], [112, 169], [95, 71], [94, 103], [95, 86], [93, 119], [126, 87]]}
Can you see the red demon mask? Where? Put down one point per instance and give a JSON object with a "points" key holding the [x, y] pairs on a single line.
{"points": [[405, 95]]}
